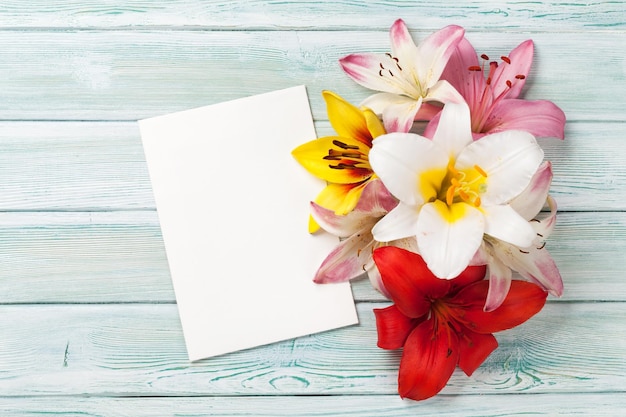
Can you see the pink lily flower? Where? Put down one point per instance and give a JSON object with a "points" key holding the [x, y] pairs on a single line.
{"points": [[353, 255], [533, 263], [407, 77], [493, 101]]}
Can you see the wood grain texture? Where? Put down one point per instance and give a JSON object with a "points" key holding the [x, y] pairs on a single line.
{"points": [[483, 405], [104, 257], [138, 350], [128, 75], [95, 166], [338, 15]]}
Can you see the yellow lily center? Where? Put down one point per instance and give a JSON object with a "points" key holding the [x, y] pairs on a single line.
{"points": [[466, 185], [457, 186]]}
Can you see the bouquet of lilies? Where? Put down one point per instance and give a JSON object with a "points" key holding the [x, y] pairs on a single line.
{"points": [[440, 219]]}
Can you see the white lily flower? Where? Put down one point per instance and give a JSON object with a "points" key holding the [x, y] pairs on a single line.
{"points": [[408, 76], [453, 191]]}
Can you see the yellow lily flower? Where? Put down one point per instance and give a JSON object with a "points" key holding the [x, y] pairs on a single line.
{"points": [[342, 160]]}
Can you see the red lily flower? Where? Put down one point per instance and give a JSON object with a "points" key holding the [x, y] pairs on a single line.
{"points": [[441, 323]]}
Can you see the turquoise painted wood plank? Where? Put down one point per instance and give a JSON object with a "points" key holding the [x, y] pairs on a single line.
{"points": [[83, 257], [338, 15], [127, 75], [119, 257], [610, 404], [138, 350], [101, 166], [73, 166]]}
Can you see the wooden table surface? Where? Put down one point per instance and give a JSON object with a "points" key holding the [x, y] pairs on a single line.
{"points": [[88, 318]]}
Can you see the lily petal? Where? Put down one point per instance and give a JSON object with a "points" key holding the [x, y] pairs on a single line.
{"points": [[533, 264], [351, 198], [399, 223], [409, 244], [470, 84], [374, 202], [402, 45], [374, 125], [376, 198], [347, 260], [533, 198], [393, 327], [397, 111], [410, 283], [510, 159], [542, 118], [428, 360], [443, 92], [380, 101], [427, 111], [347, 120], [502, 222], [474, 349], [543, 223], [500, 277], [365, 69], [521, 59], [341, 225], [373, 274], [481, 257], [341, 198], [431, 127], [399, 115], [471, 274], [399, 159], [434, 52], [449, 236], [311, 156], [523, 301], [546, 273], [453, 133]]}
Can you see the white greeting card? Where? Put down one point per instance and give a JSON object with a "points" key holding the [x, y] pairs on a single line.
{"points": [[233, 207]]}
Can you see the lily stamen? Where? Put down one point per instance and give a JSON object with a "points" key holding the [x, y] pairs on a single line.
{"points": [[349, 159], [480, 171], [344, 145], [343, 165], [464, 196], [450, 194], [462, 188], [351, 155]]}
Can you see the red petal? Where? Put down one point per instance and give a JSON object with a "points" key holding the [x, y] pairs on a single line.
{"points": [[470, 275], [408, 280], [523, 301], [393, 327], [428, 361], [474, 349]]}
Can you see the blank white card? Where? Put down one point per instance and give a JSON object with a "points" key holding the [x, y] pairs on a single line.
{"points": [[233, 206]]}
